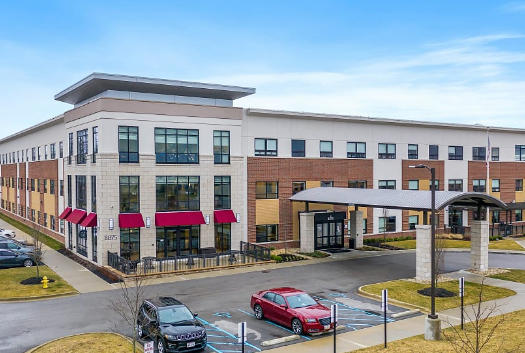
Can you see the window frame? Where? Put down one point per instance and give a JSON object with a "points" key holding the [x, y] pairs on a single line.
{"points": [[387, 184], [295, 188], [129, 194], [412, 154], [456, 154], [126, 152], [222, 194], [519, 185], [495, 188], [494, 154], [267, 232], [266, 151], [479, 153], [519, 153], [355, 150], [82, 146], [268, 187], [221, 152], [411, 187], [387, 154], [298, 152], [477, 185], [357, 184], [454, 182], [326, 153]]}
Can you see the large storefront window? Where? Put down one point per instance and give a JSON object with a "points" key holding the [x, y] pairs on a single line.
{"points": [[221, 147], [128, 144], [222, 191], [223, 237], [177, 146], [177, 241], [81, 192], [130, 243], [81, 240], [94, 243], [266, 232], [178, 193]]}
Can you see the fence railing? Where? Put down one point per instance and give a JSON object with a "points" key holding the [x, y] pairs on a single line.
{"points": [[248, 254], [506, 229]]}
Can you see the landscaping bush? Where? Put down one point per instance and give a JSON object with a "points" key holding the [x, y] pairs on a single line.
{"points": [[291, 257], [276, 258]]}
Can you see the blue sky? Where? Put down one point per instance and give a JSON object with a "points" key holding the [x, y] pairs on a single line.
{"points": [[444, 61]]}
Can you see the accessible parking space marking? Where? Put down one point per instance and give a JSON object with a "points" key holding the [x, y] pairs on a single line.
{"points": [[223, 341], [276, 325]]}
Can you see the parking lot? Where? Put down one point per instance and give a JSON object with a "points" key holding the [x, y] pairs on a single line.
{"points": [[263, 334]]}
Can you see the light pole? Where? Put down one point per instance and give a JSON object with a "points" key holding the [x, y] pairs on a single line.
{"points": [[432, 314]]}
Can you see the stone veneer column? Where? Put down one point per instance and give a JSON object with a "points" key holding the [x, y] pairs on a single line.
{"points": [[307, 232], [356, 228], [423, 258], [479, 245]]}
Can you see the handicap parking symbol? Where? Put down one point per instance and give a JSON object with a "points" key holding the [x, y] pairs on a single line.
{"points": [[223, 314]]}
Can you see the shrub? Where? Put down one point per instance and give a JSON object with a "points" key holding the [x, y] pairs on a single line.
{"points": [[276, 258]]}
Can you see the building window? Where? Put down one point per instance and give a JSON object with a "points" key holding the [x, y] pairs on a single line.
{"points": [[51, 186], [70, 145], [69, 191], [412, 152], [45, 185], [494, 153], [52, 222], [387, 224], [61, 187], [37, 185], [357, 184], [266, 232], [128, 144], [81, 240], [177, 193], [39, 153], [326, 149], [95, 143], [356, 150], [387, 151], [455, 185], [495, 185], [413, 221], [223, 237], [455, 153], [519, 184], [495, 217], [327, 184], [387, 184], [129, 192], [478, 185], [520, 153], [61, 149], [413, 185], [298, 148], [45, 152], [518, 215], [94, 244], [265, 147], [298, 186], [177, 146], [53, 151], [222, 192], [81, 192], [266, 190], [436, 185], [93, 193], [221, 147], [32, 184], [33, 154], [130, 243], [478, 154]]}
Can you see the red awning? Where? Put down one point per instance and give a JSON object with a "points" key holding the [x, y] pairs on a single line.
{"points": [[130, 220], [90, 220], [224, 216], [76, 216], [66, 213], [188, 218]]}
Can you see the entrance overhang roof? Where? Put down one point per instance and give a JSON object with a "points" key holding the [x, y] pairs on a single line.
{"points": [[397, 199]]}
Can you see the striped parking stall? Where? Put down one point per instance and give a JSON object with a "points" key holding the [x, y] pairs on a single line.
{"points": [[221, 341]]}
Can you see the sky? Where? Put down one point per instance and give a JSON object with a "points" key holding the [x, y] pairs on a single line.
{"points": [[441, 61]]}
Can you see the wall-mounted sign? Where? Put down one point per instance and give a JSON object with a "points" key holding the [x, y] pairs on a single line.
{"points": [[110, 237]]}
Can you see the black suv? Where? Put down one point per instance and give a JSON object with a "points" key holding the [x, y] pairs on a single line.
{"points": [[172, 325]]}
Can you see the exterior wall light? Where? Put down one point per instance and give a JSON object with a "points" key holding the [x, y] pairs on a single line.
{"points": [[207, 219], [238, 217], [111, 223], [148, 222]]}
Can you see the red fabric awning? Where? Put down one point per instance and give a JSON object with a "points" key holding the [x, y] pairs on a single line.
{"points": [[65, 213], [224, 216], [187, 218], [76, 216], [90, 220], [130, 220]]}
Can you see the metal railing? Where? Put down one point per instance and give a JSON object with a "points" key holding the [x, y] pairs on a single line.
{"points": [[248, 254], [506, 229]]}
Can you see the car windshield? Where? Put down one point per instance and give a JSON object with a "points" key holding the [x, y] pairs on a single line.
{"points": [[174, 314], [300, 301]]}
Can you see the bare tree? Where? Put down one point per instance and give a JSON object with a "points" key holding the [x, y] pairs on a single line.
{"points": [[479, 329], [38, 242], [440, 246], [127, 305]]}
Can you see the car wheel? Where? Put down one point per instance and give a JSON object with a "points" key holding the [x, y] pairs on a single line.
{"points": [[297, 327], [140, 330], [160, 345], [28, 263], [259, 315]]}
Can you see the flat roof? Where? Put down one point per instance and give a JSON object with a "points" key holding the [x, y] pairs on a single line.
{"points": [[97, 83], [397, 199]]}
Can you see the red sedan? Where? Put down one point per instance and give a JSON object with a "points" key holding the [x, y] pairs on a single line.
{"points": [[292, 308]]}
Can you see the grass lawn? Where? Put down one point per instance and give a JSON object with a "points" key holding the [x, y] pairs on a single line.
{"points": [[10, 286], [90, 343], [52, 243], [509, 334], [406, 291], [505, 244], [513, 275]]}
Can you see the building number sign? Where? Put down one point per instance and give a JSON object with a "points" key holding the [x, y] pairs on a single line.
{"points": [[110, 237]]}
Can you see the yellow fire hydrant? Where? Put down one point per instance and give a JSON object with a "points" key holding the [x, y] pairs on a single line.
{"points": [[44, 282]]}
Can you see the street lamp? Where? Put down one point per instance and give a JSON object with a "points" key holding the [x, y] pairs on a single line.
{"points": [[432, 314]]}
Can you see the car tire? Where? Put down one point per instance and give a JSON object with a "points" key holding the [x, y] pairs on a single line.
{"points": [[140, 330], [257, 309], [297, 327], [27, 263], [160, 345]]}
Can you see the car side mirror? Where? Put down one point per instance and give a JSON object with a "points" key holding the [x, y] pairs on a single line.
{"points": [[195, 314]]}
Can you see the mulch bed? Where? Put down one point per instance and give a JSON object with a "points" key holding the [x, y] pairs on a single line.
{"points": [[291, 257], [440, 293], [101, 272], [384, 246], [35, 280]]}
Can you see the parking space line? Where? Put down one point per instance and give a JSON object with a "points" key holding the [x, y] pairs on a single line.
{"points": [[228, 334], [368, 313], [276, 325]]}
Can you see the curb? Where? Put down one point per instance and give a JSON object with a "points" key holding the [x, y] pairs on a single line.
{"points": [[412, 307], [51, 296], [139, 345], [406, 313]]}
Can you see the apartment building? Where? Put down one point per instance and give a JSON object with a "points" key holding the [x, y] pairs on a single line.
{"points": [[154, 168]]}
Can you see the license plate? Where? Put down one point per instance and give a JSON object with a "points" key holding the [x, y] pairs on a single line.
{"points": [[190, 344], [326, 327]]}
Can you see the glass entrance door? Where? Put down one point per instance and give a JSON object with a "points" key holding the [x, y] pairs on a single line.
{"points": [[177, 241], [329, 234]]}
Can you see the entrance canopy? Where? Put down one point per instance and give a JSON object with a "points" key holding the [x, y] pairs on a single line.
{"points": [[397, 199]]}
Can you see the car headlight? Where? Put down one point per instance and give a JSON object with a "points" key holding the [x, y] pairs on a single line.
{"points": [[310, 320], [171, 337]]}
